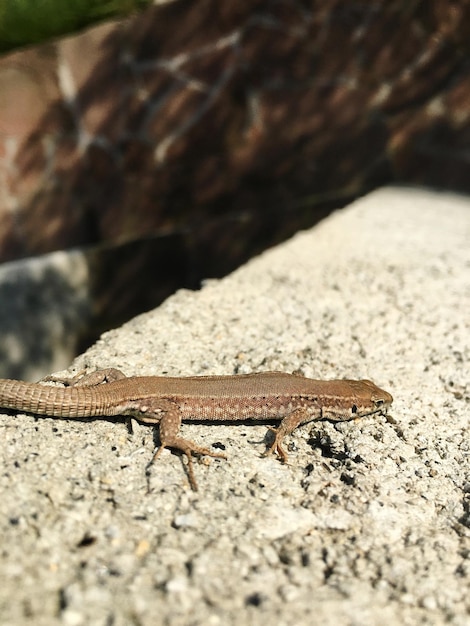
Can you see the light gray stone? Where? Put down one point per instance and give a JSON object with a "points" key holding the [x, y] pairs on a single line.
{"points": [[369, 522]]}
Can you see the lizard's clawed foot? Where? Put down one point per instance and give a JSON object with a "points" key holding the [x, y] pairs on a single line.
{"points": [[188, 448], [276, 446]]}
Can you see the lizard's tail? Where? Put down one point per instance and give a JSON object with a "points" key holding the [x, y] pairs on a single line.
{"points": [[51, 400]]}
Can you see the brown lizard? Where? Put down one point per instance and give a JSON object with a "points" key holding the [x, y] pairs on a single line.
{"points": [[167, 401]]}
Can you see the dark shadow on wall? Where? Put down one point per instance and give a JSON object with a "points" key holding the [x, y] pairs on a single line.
{"points": [[55, 306], [45, 307]]}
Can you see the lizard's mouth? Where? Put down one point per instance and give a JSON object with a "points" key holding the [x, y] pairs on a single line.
{"points": [[383, 404], [383, 410]]}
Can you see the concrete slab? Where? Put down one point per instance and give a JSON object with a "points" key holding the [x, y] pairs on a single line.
{"points": [[370, 521]]}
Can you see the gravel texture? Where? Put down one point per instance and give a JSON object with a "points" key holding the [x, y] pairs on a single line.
{"points": [[368, 524]]}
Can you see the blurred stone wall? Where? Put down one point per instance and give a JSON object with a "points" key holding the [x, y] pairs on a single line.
{"points": [[228, 125]]}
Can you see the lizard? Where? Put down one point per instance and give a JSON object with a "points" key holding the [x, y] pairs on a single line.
{"points": [[167, 401]]}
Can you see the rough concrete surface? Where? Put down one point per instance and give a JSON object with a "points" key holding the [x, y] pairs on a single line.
{"points": [[369, 523]]}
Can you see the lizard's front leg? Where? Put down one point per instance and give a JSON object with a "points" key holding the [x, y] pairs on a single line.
{"points": [[168, 415], [288, 424]]}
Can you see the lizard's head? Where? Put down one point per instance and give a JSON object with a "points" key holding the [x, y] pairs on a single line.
{"points": [[364, 398]]}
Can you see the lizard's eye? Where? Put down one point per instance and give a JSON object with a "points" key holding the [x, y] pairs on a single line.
{"points": [[378, 402], [354, 409]]}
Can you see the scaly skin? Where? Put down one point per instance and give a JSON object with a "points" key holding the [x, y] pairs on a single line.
{"points": [[292, 399]]}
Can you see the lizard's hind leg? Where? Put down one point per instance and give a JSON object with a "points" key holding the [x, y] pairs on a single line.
{"points": [[170, 424]]}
